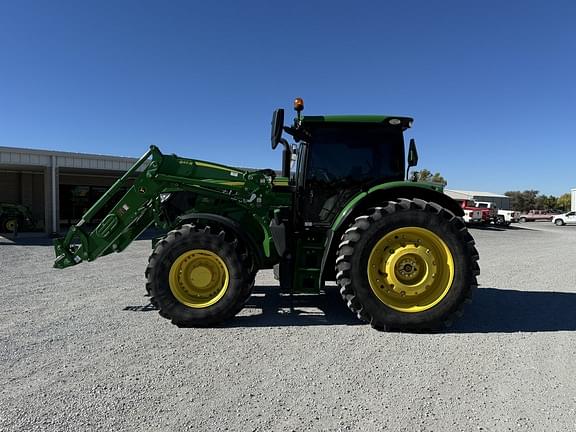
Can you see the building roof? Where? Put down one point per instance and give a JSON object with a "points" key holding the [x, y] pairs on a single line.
{"points": [[14, 156], [472, 194]]}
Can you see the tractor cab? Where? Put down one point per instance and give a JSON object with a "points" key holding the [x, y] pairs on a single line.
{"points": [[338, 157]]}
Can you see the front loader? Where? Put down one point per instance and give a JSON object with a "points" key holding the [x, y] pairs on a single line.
{"points": [[399, 251]]}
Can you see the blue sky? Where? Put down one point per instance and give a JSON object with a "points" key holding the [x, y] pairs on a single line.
{"points": [[491, 85]]}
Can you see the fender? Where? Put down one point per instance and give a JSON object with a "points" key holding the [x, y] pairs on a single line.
{"points": [[374, 197], [232, 225]]}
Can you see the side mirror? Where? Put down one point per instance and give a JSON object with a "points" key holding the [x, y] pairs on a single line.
{"points": [[277, 125], [412, 154]]}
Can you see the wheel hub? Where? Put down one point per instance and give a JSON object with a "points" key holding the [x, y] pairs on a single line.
{"points": [[408, 268], [200, 276]]}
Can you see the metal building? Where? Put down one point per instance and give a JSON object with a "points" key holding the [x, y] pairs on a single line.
{"points": [[56, 186], [501, 201]]}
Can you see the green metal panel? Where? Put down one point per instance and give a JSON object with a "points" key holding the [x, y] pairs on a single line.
{"points": [[405, 121], [419, 185], [391, 185]]}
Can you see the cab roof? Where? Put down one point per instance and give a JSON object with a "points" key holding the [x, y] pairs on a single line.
{"points": [[405, 122]]}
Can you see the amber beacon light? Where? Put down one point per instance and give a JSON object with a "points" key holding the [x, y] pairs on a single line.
{"points": [[298, 104]]}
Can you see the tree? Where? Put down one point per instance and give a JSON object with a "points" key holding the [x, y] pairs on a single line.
{"points": [[530, 200], [522, 201], [437, 178], [564, 202], [426, 176], [544, 202]]}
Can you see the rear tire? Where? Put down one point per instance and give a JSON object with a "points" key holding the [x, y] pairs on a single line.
{"points": [[559, 222], [196, 278], [408, 266]]}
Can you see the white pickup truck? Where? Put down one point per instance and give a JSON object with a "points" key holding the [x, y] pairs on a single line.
{"points": [[497, 216], [473, 216]]}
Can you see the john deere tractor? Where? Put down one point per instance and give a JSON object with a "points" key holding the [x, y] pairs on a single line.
{"points": [[14, 217], [398, 250]]}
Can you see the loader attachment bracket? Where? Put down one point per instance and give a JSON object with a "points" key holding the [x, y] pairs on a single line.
{"points": [[68, 252], [120, 226]]}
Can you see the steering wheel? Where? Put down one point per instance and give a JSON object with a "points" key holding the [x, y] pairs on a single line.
{"points": [[324, 174]]}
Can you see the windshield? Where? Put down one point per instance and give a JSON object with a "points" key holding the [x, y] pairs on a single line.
{"points": [[356, 153]]}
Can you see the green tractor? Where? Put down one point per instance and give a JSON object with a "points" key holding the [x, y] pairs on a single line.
{"points": [[399, 250], [14, 217]]}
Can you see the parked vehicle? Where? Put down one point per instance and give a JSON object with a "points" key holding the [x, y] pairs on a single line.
{"points": [[473, 216], [537, 216], [492, 209], [564, 219], [499, 216], [470, 206], [506, 217], [14, 217]]}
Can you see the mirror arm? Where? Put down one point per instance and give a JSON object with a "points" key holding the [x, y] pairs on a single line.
{"points": [[297, 134]]}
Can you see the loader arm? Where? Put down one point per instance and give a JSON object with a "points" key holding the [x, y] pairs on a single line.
{"points": [[141, 205]]}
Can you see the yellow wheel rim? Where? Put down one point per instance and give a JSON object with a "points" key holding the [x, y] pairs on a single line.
{"points": [[11, 225], [199, 278], [410, 269]]}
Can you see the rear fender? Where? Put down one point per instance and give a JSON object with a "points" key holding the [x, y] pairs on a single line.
{"points": [[375, 197]]}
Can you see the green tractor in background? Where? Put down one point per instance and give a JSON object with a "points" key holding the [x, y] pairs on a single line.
{"points": [[399, 251], [15, 217]]}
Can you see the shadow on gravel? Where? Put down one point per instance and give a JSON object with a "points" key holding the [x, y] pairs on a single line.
{"points": [[515, 227], [41, 239], [486, 228], [493, 310], [145, 308], [268, 307], [274, 308], [496, 310], [25, 239]]}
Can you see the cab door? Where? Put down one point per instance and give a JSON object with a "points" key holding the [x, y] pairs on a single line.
{"points": [[343, 159]]}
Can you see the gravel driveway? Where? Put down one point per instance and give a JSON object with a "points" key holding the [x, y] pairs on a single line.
{"points": [[80, 349]]}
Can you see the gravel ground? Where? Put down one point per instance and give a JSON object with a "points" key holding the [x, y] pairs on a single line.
{"points": [[80, 350]]}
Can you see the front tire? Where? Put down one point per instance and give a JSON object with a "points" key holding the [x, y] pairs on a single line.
{"points": [[196, 278], [559, 222], [408, 266]]}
